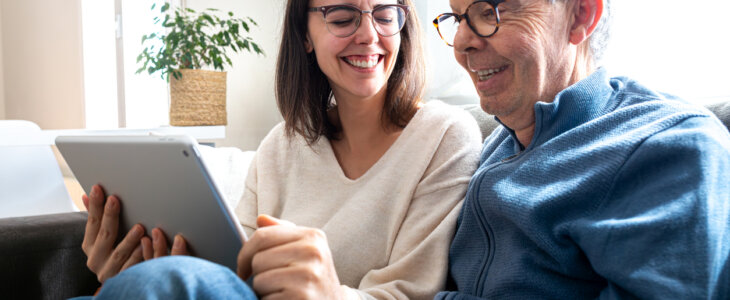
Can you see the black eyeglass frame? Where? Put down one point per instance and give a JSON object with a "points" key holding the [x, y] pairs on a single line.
{"points": [[465, 16], [325, 9]]}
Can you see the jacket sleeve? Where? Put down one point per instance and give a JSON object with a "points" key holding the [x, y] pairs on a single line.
{"points": [[663, 230], [418, 261]]}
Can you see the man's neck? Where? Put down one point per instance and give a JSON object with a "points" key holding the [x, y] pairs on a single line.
{"points": [[524, 124]]}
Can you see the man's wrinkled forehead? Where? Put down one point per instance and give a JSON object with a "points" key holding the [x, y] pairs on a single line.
{"points": [[459, 6]]}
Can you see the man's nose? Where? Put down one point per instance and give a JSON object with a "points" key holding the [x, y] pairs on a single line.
{"points": [[464, 38]]}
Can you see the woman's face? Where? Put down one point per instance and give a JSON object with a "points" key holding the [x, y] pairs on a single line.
{"points": [[358, 65]]}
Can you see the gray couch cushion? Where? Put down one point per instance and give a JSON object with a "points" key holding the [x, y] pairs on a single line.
{"points": [[41, 257], [722, 111]]}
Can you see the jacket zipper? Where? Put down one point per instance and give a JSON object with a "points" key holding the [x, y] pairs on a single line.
{"points": [[484, 223]]}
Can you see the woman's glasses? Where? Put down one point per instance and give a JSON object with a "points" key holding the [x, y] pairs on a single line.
{"points": [[482, 16], [343, 20]]}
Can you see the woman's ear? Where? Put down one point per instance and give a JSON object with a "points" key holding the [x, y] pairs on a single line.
{"points": [[585, 18], [308, 44]]}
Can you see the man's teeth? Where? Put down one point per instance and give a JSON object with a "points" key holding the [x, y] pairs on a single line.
{"points": [[363, 64], [486, 74]]}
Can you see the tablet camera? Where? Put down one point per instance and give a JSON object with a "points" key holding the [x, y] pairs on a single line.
{"points": [[185, 153]]}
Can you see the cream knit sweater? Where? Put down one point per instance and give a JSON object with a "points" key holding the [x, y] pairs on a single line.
{"points": [[390, 229]]}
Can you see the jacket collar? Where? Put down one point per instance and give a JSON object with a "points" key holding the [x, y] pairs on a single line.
{"points": [[579, 103]]}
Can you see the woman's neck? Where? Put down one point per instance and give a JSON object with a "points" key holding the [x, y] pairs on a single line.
{"points": [[361, 119], [364, 137]]}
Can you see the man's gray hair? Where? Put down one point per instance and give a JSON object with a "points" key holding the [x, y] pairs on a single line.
{"points": [[598, 41], [602, 34]]}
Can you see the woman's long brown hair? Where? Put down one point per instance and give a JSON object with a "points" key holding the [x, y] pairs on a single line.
{"points": [[303, 92]]}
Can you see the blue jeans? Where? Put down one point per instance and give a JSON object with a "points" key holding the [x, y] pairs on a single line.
{"points": [[175, 277]]}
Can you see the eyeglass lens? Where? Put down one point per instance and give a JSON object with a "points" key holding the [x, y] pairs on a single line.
{"points": [[481, 16], [343, 21]]}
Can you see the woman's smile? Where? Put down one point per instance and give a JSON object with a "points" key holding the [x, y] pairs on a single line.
{"points": [[364, 63]]}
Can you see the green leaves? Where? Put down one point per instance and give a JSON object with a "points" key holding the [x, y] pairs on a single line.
{"points": [[194, 40]]}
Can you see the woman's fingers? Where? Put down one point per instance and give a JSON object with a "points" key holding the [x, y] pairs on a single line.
{"points": [[277, 281], [93, 222], [179, 246], [159, 243], [124, 252], [135, 258], [264, 220], [147, 250], [284, 255], [262, 239], [300, 269], [85, 201], [104, 243]]}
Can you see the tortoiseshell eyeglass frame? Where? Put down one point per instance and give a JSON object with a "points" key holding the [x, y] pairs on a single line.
{"points": [[465, 16]]}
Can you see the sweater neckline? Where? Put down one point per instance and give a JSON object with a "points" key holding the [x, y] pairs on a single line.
{"points": [[331, 159]]}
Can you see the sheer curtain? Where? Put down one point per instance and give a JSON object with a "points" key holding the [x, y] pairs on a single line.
{"points": [[448, 81], [671, 46]]}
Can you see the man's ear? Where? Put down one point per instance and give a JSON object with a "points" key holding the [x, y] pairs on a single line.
{"points": [[308, 44], [586, 15]]}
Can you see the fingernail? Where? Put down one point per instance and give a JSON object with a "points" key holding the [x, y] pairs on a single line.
{"points": [[178, 241], [110, 202], [155, 236], [138, 231]]}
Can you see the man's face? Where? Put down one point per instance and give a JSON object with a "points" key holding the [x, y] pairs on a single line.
{"points": [[526, 61]]}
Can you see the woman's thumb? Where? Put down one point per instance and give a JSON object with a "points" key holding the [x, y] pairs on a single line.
{"points": [[266, 220]]}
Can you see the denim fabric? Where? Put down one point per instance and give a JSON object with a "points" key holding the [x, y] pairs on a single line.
{"points": [[175, 277]]}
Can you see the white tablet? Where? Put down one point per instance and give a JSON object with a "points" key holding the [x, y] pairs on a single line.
{"points": [[161, 182]]}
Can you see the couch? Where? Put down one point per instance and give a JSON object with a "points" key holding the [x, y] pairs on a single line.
{"points": [[41, 256]]}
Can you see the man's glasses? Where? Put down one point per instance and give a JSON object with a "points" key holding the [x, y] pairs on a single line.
{"points": [[482, 16], [343, 20]]}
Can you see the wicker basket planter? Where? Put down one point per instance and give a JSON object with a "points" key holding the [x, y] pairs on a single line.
{"points": [[198, 98]]}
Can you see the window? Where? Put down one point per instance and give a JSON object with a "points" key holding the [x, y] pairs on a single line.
{"points": [[115, 95], [665, 45]]}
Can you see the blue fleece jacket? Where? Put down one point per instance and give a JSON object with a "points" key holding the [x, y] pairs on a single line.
{"points": [[623, 192]]}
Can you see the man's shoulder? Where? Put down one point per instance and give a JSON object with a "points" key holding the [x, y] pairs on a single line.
{"points": [[639, 110]]}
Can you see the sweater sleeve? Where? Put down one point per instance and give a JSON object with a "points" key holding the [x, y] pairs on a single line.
{"points": [[663, 231], [418, 260]]}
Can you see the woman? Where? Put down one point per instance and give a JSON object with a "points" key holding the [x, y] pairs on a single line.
{"points": [[359, 157]]}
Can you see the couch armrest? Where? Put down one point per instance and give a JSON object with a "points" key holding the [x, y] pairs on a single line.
{"points": [[41, 257]]}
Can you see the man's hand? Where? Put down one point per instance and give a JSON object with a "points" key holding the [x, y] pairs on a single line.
{"points": [[289, 262]]}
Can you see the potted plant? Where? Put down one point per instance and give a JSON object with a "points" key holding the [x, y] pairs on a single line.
{"points": [[194, 41]]}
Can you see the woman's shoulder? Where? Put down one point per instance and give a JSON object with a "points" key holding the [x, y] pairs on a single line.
{"points": [[448, 119]]}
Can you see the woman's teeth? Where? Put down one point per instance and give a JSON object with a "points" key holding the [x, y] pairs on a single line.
{"points": [[363, 64], [486, 74]]}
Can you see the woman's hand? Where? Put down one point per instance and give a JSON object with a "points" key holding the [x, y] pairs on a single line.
{"points": [[157, 246], [289, 262], [104, 259]]}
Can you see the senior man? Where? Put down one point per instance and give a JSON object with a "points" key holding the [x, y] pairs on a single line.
{"points": [[594, 187]]}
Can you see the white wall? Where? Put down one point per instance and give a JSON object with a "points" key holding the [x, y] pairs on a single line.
{"points": [[252, 109], [42, 62]]}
